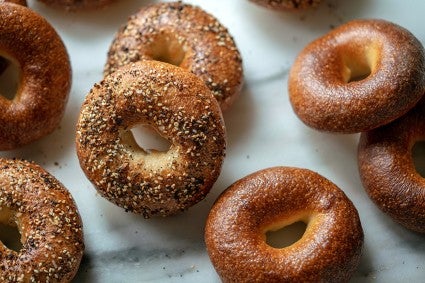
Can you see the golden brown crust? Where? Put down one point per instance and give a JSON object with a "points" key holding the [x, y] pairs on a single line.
{"points": [[320, 87], [287, 5], [329, 250], [181, 108], [194, 39], [36, 110], [76, 5], [19, 2], [49, 223], [388, 172], [3, 62]]}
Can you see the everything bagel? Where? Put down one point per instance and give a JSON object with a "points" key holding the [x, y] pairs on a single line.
{"points": [[176, 104]]}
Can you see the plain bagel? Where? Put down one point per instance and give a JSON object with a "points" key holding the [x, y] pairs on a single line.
{"points": [[77, 5], [235, 234], [45, 76], [359, 76], [287, 5], [388, 172], [20, 2], [3, 62]]}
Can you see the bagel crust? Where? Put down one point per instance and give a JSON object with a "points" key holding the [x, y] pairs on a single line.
{"points": [[3, 62], [186, 36], [287, 5], [48, 221], [359, 76], [175, 103], [388, 172], [19, 2], [235, 234], [38, 106], [74, 5]]}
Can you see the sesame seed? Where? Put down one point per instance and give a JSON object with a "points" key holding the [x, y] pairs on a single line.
{"points": [[45, 222], [138, 181], [209, 50]]}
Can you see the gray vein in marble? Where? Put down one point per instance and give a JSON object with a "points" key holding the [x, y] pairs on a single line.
{"points": [[276, 76], [152, 264]]}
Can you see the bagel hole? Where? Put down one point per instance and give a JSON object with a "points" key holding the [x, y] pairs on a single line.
{"points": [[148, 139], [357, 72], [9, 78], [418, 155], [10, 235], [168, 49], [286, 236], [360, 64]]}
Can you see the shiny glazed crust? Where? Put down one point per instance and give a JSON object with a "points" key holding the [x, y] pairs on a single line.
{"points": [[322, 91], [29, 40], [48, 221], [190, 37], [73, 5], [388, 172], [287, 5], [179, 106], [329, 250]]}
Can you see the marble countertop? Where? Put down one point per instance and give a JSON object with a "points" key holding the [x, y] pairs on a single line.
{"points": [[262, 131]]}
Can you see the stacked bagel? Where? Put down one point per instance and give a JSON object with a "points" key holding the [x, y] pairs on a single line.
{"points": [[367, 76]]}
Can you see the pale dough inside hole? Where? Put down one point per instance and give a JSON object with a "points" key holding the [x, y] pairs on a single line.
{"points": [[168, 49], [148, 139], [10, 236], [282, 234], [286, 236], [360, 64], [150, 148], [10, 76]]}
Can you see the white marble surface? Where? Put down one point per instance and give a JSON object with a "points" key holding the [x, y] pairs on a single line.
{"points": [[262, 132]]}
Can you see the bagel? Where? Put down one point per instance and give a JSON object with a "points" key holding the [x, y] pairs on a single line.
{"points": [[3, 62], [359, 76], [45, 76], [287, 5], [19, 2], [176, 104], [48, 221], [74, 5], [267, 200], [388, 172], [185, 36]]}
